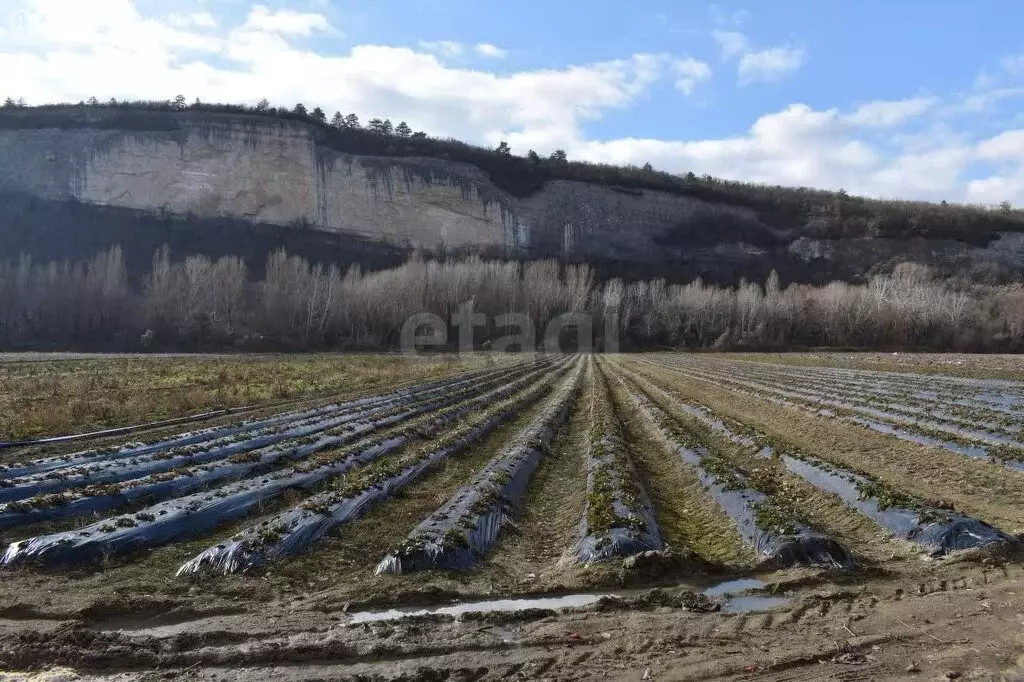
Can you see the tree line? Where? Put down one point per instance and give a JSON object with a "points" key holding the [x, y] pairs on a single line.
{"points": [[199, 302]]}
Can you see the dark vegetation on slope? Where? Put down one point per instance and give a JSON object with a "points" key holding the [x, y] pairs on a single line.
{"points": [[59, 231], [806, 211], [74, 231]]}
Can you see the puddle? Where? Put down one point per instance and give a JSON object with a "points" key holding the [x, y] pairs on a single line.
{"points": [[753, 603], [739, 604], [745, 603], [734, 586], [495, 606]]}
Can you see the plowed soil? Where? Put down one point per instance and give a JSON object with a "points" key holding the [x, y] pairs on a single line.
{"points": [[899, 614]]}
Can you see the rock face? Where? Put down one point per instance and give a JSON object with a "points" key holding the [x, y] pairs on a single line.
{"points": [[275, 173]]}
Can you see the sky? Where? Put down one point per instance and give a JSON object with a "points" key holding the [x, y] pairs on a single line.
{"points": [[916, 99]]}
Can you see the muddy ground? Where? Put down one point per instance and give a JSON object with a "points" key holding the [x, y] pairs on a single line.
{"points": [[897, 615], [961, 616]]}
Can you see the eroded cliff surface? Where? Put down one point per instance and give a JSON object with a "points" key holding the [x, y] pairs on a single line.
{"points": [[275, 173]]}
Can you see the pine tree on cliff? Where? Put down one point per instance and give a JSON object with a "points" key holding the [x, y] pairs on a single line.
{"points": [[379, 127], [504, 149], [300, 110], [337, 121], [319, 116], [403, 130], [352, 121]]}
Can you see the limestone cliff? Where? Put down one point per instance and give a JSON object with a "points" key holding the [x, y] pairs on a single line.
{"points": [[277, 173]]}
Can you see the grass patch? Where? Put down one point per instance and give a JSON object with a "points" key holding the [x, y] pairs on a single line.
{"points": [[69, 396]]}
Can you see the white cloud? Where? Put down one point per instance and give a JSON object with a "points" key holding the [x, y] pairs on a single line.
{"points": [[982, 101], [110, 50], [998, 188], [65, 51], [766, 65], [196, 19], [889, 113], [801, 146], [285, 21], [732, 43], [445, 48], [690, 72], [1006, 145], [490, 51], [724, 17], [771, 64], [1014, 64]]}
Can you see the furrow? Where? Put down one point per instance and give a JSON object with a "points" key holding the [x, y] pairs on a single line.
{"points": [[469, 524], [113, 471], [298, 529], [936, 531], [969, 442], [940, 423], [138, 449], [893, 389], [199, 512], [770, 529], [618, 519], [185, 480]]}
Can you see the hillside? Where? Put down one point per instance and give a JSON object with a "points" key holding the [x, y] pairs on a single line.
{"points": [[222, 179]]}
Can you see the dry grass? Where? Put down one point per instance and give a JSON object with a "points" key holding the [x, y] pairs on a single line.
{"points": [[68, 396]]}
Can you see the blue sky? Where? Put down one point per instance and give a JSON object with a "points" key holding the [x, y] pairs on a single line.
{"points": [[907, 99]]}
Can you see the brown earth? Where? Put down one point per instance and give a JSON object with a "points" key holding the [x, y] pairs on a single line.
{"points": [[961, 616], [899, 615]]}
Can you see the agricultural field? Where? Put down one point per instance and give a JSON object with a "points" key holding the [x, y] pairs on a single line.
{"points": [[55, 393], [649, 516]]}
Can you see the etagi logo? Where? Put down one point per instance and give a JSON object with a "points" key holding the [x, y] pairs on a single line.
{"points": [[566, 332]]}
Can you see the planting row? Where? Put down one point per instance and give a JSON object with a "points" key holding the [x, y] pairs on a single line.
{"points": [[209, 438], [995, 398], [470, 523], [183, 480], [935, 530], [771, 529], [199, 512], [296, 530], [884, 406], [618, 520], [955, 436], [900, 402]]}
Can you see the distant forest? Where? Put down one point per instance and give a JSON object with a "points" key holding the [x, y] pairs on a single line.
{"points": [[810, 212], [204, 303]]}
